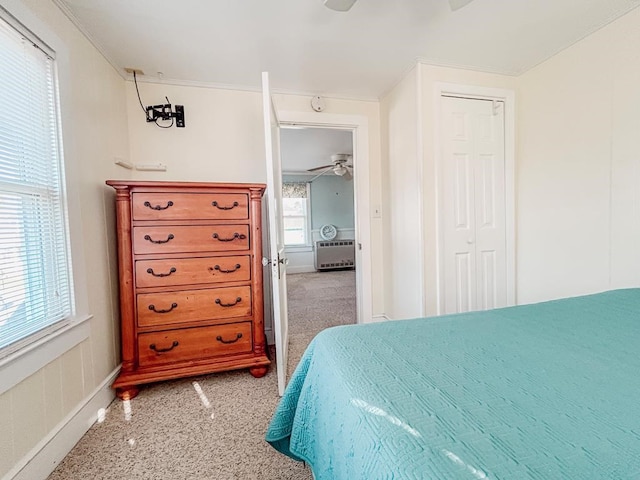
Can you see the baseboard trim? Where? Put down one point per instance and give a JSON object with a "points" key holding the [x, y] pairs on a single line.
{"points": [[49, 452]]}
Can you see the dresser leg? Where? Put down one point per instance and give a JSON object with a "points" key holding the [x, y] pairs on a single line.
{"points": [[258, 371], [127, 393]]}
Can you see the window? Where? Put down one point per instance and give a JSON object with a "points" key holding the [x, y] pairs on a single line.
{"points": [[295, 213], [35, 283]]}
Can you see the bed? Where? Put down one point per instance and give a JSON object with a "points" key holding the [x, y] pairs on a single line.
{"points": [[543, 391]]}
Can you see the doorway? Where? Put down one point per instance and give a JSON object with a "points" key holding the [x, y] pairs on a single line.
{"points": [[274, 121], [358, 126], [319, 228]]}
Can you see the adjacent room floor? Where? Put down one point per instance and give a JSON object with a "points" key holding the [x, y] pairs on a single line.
{"points": [[211, 427], [317, 301]]}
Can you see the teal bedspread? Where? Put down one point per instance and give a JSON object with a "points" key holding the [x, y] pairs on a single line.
{"points": [[544, 391]]}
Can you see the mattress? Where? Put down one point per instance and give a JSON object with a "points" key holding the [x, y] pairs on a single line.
{"points": [[544, 391]]}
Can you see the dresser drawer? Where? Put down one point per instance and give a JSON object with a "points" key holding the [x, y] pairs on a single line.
{"points": [[158, 348], [195, 238], [172, 308], [190, 206], [191, 271]]}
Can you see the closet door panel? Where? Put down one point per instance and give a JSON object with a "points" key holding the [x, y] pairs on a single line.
{"points": [[473, 212]]}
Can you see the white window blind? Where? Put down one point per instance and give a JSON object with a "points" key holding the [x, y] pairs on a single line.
{"points": [[35, 283]]}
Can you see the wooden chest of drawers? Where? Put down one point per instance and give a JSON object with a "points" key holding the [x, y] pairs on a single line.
{"points": [[190, 263]]}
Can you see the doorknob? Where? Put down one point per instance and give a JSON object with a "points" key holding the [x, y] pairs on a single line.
{"points": [[470, 241], [267, 261]]}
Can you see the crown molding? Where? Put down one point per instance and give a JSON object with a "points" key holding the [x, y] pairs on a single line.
{"points": [[299, 173], [64, 8], [610, 19], [474, 68], [429, 62], [245, 88], [516, 72]]}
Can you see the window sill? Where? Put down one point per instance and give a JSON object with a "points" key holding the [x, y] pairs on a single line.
{"points": [[28, 360]]}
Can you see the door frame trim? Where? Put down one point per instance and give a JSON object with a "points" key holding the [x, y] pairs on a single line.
{"points": [[481, 93], [359, 126]]}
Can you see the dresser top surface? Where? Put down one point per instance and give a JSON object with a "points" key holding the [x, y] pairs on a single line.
{"points": [[144, 184]]}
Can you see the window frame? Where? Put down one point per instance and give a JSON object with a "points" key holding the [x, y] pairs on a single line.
{"points": [[43, 348], [306, 217]]}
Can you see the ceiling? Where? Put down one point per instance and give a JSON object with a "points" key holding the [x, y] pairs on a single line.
{"points": [[305, 148], [310, 49]]}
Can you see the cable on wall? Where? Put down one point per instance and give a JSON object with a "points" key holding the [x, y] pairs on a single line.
{"points": [[155, 113]]}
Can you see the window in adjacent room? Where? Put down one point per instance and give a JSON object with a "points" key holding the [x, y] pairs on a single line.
{"points": [[35, 281], [295, 213]]}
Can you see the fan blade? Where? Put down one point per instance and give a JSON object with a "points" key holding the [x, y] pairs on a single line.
{"points": [[458, 4], [320, 168], [348, 176], [321, 173]]}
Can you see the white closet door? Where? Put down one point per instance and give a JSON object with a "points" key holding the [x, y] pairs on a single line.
{"points": [[473, 205]]}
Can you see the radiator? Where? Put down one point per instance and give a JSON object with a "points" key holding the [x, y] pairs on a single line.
{"points": [[335, 254]]}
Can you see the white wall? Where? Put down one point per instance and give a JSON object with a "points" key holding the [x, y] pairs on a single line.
{"points": [[223, 141], [578, 174], [94, 126], [403, 229]]}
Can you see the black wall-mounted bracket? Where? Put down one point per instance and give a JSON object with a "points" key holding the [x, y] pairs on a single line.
{"points": [[164, 112]]}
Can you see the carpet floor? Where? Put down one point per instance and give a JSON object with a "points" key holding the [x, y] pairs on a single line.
{"points": [[213, 426]]}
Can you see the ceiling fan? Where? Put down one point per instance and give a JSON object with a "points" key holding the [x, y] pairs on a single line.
{"points": [[344, 5], [339, 166]]}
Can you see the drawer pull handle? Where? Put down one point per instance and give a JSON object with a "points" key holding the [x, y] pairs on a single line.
{"points": [[219, 302], [158, 207], [220, 339], [241, 236], [150, 270], [169, 238], [162, 350], [215, 204], [221, 270], [153, 308]]}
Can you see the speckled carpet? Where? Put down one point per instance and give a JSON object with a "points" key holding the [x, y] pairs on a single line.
{"points": [[210, 427]]}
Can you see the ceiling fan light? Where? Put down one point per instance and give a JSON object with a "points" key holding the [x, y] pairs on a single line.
{"points": [[340, 170], [339, 5], [340, 157]]}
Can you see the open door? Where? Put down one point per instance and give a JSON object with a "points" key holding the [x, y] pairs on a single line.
{"points": [[277, 260]]}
